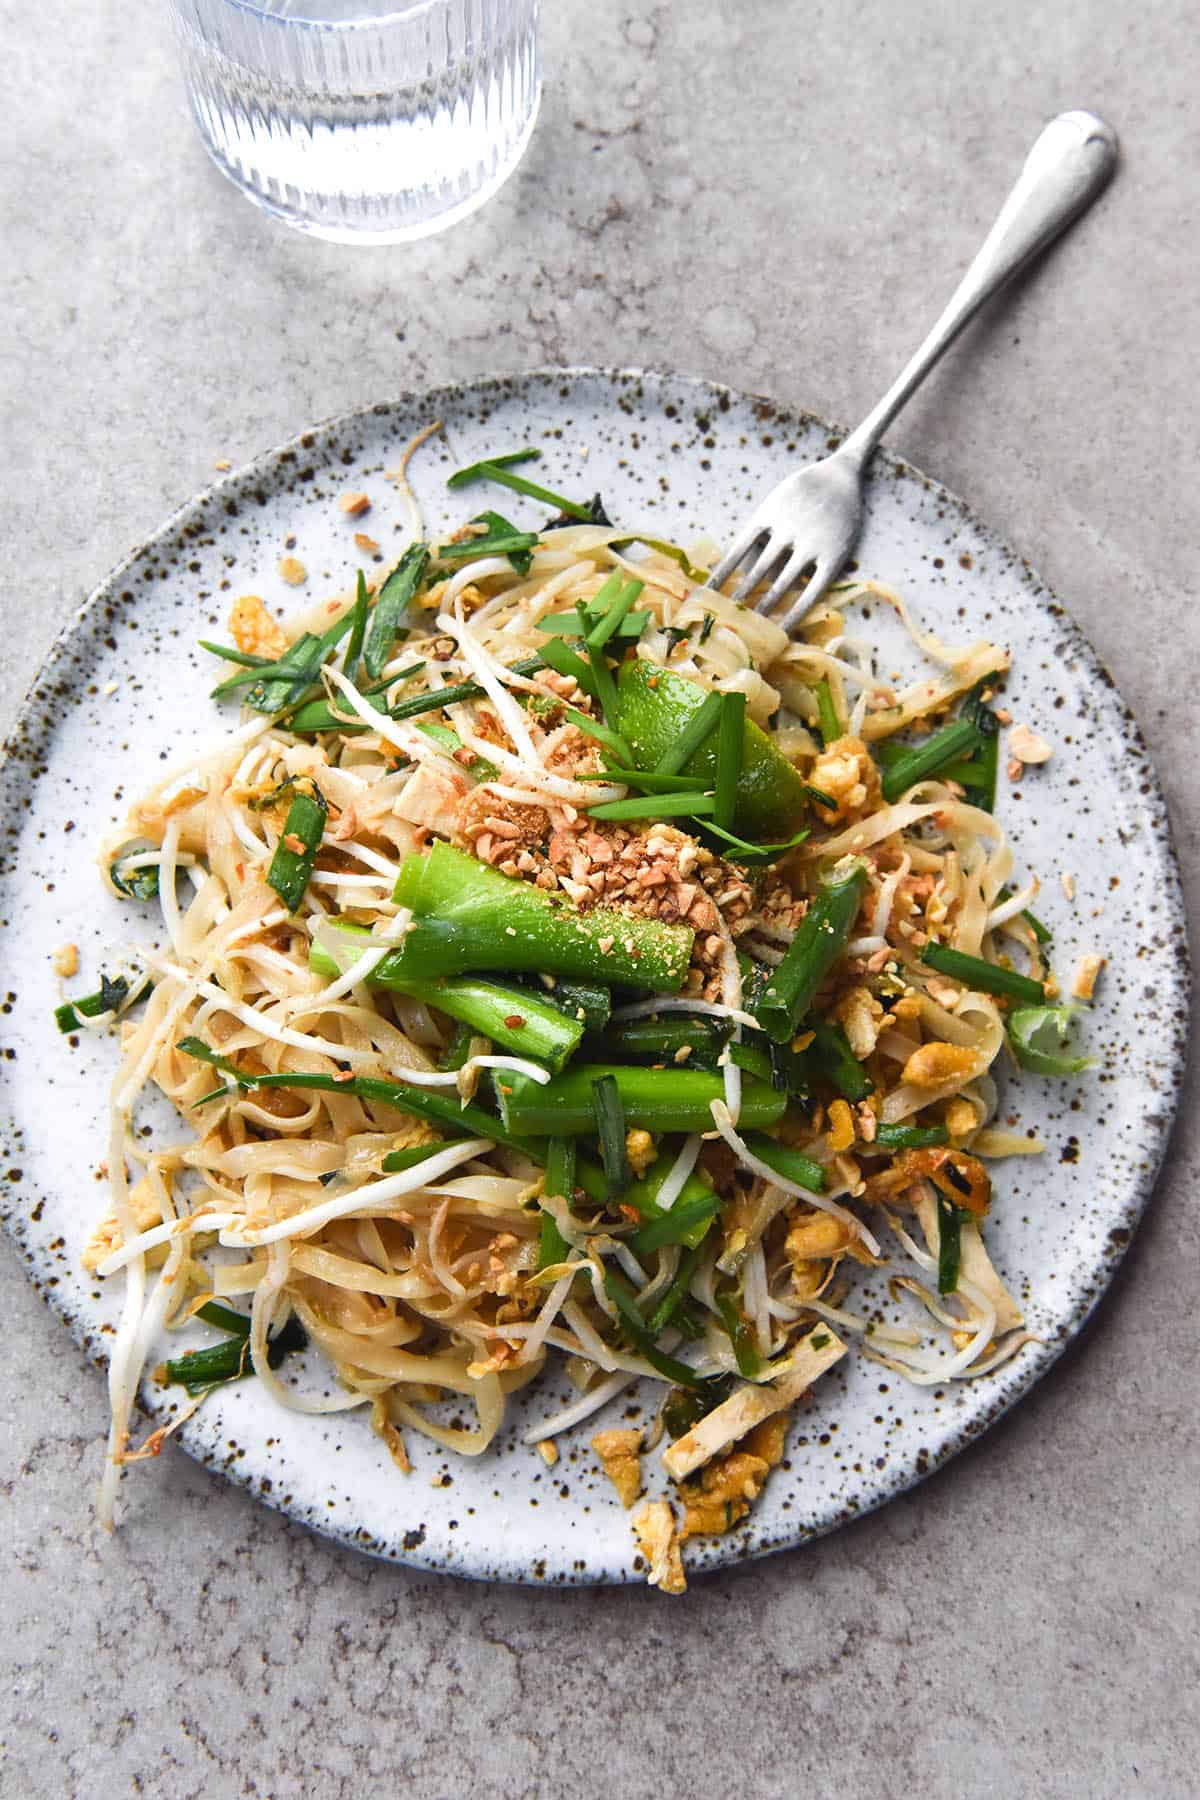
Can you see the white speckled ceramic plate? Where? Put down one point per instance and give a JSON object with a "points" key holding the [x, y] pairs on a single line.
{"points": [[677, 457]]}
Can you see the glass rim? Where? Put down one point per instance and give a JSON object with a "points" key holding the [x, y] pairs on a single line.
{"points": [[372, 22]]}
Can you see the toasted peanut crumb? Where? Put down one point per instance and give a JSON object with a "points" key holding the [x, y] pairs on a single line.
{"points": [[1068, 886], [1013, 769], [66, 961], [222, 463], [1084, 984], [292, 570], [1026, 746], [639, 1148], [364, 542], [354, 503], [548, 1451], [293, 843]]}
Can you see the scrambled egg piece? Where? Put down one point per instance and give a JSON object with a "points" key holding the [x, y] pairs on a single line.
{"points": [[727, 1489], [845, 770], [618, 1452], [143, 1203], [814, 1237], [254, 631], [658, 1539], [936, 1063], [415, 1134]]}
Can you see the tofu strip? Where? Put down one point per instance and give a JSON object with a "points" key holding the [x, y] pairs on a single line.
{"points": [[750, 1405]]}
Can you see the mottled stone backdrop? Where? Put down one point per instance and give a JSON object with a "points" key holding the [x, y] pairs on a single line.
{"points": [[778, 196]]}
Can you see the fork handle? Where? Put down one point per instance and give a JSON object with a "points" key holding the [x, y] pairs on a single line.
{"points": [[1065, 170]]}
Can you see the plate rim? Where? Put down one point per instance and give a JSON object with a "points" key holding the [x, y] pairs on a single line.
{"points": [[732, 1551]]}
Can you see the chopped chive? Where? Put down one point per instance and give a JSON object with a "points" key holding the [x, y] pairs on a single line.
{"points": [[555, 654], [508, 460], [224, 1318], [567, 625], [621, 601], [244, 657], [984, 977], [613, 742], [497, 469], [602, 681], [729, 757], [691, 805], [786, 1161], [820, 939], [740, 1335], [137, 884], [675, 1295], [1041, 932], [396, 1161], [292, 866], [458, 1049], [358, 629], [108, 997], [942, 750], [646, 780], [462, 690], [836, 1061], [828, 723], [697, 731], [951, 1219], [390, 606], [560, 1184], [229, 1361], [319, 715], [672, 552], [909, 1137], [622, 1297], [518, 546], [742, 850], [610, 1128]]}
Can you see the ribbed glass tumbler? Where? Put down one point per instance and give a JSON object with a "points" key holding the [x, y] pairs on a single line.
{"points": [[358, 120]]}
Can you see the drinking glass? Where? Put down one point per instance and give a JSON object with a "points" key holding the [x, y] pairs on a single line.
{"points": [[359, 120]]}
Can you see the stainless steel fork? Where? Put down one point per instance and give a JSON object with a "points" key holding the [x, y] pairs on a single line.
{"points": [[813, 517]]}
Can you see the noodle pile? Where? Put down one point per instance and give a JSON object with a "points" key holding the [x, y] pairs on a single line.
{"points": [[429, 1284]]}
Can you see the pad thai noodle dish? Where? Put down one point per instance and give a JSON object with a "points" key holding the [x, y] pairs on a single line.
{"points": [[562, 969]]}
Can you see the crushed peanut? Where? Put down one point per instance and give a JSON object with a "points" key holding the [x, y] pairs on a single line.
{"points": [[292, 570], [1027, 747], [1083, 985], [66, 961]]}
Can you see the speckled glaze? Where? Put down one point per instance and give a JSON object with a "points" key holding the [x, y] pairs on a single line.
{"points": [[680, 458]]}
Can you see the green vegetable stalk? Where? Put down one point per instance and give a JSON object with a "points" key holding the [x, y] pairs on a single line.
{"points": [[657, 1099], [984, 977], [820, 939], [471, 917], [514, 1018], [296, 852]]}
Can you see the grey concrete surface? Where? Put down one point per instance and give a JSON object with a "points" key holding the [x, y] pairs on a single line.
{"points": [[777, 195]]}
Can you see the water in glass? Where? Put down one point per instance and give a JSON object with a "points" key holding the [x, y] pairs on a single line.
{"points": [[359, 121]]}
